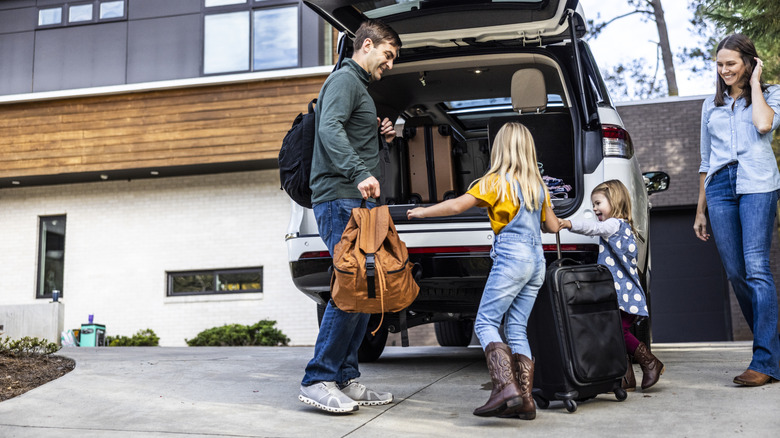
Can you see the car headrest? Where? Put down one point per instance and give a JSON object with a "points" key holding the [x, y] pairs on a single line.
{"points": [[529, 93]]}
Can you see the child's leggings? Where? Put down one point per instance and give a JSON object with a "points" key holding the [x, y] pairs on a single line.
{"points": [[631, 341]]}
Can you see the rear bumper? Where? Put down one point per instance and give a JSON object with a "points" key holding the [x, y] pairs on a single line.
{"points": [[449, 282]]}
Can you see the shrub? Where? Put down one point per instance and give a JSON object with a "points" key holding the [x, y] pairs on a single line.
{"points": [[143, 338], [27, 346], [261, 333]]}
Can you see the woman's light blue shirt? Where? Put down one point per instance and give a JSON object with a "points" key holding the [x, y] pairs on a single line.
{"points": [[729, 135]]}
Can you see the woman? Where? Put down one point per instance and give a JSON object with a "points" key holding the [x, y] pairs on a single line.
{"points": [[739, 184]]}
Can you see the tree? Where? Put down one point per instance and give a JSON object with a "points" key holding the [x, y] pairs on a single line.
{"points": [[756, 19], [645, 83]]}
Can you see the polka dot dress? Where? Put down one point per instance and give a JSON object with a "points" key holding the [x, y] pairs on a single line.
{"points": [[618, 253]]}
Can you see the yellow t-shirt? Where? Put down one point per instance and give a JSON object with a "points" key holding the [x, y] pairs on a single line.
{"points": [[501, 212]]}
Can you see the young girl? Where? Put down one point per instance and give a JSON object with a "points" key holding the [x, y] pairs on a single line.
{"points": [[518, 207], [617, 251]]}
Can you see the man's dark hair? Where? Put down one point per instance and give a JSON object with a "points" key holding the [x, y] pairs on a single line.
{"points": [[378, 32]]}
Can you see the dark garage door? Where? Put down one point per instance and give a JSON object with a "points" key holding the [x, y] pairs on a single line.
{"points": [[689, 289]]}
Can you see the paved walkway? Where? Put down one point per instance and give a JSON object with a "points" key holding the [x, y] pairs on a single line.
{"points": [[252, 392]]}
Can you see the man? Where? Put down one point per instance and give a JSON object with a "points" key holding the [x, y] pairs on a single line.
{"points": [[345, 166]]}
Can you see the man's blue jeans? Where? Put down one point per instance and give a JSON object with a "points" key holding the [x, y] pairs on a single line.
{"points": [[743, 226], [341, 333]]}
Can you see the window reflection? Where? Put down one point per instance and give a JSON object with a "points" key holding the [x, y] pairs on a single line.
{"points": [[51, 255], [79, 13], [275, 38], [49, 16], [210, 3], [226, 42], [115, 9]]}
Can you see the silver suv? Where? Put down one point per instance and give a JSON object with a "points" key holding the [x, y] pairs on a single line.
{"points": [[465, 69]]}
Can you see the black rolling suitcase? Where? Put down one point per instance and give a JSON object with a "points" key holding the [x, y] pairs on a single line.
{"points": [[393, 181], [576, 335]]}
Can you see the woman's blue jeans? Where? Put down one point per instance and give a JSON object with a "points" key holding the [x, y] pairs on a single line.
{"points": [[341, 333], [510, 292], [743, 226]]}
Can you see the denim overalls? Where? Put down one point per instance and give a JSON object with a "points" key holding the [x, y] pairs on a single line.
{"points": [[517, 274]]}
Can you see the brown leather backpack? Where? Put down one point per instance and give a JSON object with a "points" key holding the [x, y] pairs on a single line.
{"points": [[372, 271]]}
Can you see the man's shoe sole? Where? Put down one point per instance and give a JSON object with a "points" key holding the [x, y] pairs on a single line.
{"points": [[373, 403], [319, 405]]}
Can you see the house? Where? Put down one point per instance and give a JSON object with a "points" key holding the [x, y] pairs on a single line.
{"points": [[138, 141], [691, 297]]}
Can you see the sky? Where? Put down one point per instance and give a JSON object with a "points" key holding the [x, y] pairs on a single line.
{"points": [[630, 38]]}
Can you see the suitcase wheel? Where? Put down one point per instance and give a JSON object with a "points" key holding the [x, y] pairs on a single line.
{"points": [[571, 405], [541, 402], [620, 394]]}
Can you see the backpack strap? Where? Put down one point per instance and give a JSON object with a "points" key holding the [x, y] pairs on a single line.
{"points": [[370, 274]]}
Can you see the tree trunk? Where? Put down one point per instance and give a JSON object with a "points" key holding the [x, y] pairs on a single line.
{"points": [[666, 51]]}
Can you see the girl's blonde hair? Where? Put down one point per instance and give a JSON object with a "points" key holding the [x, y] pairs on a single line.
{"points": [[514, 155], [618, 198]]}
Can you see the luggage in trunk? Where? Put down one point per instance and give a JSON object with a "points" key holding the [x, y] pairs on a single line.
{"points": [[472, 160], [576, 335], [432, 178], [394, 181]]}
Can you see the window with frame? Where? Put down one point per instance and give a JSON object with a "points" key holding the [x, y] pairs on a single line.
{"points": [[82, 12], [250, 35], [51, 255], [215, 282]]}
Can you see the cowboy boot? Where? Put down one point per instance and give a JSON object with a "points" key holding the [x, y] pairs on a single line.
{"points": [[652, 368], [629, 381], [525, 378], [506, 393]]}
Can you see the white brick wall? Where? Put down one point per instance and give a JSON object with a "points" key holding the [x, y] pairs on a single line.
{"points": [[122, 237]]}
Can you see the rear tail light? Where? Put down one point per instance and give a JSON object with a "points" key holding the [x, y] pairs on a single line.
{"points": [[615, 142]]}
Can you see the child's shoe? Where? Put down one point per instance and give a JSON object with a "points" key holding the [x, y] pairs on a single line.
{"points": [[652, 368]]}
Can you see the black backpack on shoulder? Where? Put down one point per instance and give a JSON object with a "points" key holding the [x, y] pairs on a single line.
{"points": [[295, 158]]}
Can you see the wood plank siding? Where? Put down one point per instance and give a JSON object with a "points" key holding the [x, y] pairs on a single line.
{"points": [[204, 127]]}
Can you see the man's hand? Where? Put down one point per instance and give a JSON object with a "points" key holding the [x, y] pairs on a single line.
{"points": [[369, 187], [387, 129]]}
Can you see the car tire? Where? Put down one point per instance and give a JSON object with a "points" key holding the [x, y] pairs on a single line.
{"points": [[373, 345], [454, 333]]}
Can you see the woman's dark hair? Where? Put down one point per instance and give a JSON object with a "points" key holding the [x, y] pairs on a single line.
{"points": [[747, 51]]}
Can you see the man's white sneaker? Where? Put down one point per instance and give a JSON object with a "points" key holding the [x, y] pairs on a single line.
{"points": [[328, 397], [364, 396]]}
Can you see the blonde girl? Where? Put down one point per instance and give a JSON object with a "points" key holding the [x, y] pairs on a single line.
{"points": [[618, 252], [518, 207]]}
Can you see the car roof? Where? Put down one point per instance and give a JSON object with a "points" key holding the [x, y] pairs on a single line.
{"points": [[446, 23]]}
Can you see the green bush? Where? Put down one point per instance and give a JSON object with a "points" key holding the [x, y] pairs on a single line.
{"points": [[27, 346], [261, 333], [143, 338]]}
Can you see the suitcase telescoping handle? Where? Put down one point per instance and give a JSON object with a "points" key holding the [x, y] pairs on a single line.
{"points": [[558, 243]]}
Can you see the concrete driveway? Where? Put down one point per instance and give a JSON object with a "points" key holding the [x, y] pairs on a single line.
{"points": [[252, 392]]}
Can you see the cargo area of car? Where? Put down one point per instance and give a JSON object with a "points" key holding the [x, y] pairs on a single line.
{"points": [[449, 111]]}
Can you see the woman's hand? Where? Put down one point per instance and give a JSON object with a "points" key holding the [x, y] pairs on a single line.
{"points": [[755, 78], [700, 227]]}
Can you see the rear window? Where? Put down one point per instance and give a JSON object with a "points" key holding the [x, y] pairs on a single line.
{"points": [[390, 8], [474, 114]]}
